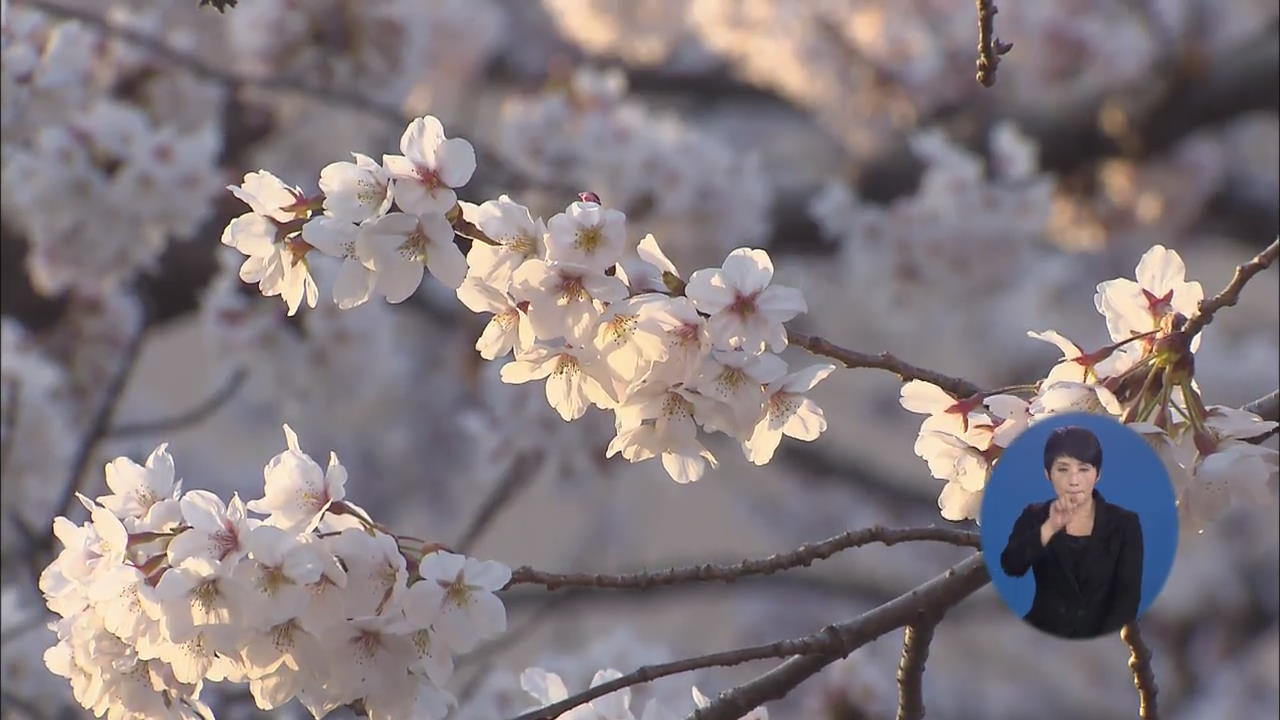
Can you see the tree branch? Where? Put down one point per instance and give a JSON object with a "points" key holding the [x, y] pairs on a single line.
{"points": [[827, 644], [1230, 294], [933, 597], [102, 416], [1266, 407], [1143, 677], [802, 556], [504, 491], [915, 650], [958, 387], [989, 46], [210, 405]]}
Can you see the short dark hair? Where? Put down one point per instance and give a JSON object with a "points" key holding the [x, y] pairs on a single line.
{"points": [[1075, 442]]}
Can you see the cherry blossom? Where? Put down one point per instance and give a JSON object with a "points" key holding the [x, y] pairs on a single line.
{"points": [[423, 178], [400, 247], [788, 412], [1161, 289], [746, 311]]}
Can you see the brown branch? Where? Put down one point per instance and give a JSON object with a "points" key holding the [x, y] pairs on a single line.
{"points": [[990, 49], [827, 644], [9, 421], [958, 387], [189, 417], [503, 492], [932, 598], [800, 557], [1266, 407], [915, 651], [100, 422], [1143, 677], [1230, 294]]}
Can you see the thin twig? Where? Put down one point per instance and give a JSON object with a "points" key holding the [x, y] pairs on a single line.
{"points": [[800, 557], [9, 419], [102, 416], [989, 46], [1230, 294], [189, 417], [507, 488], [829, 643], [1266, 407], [1143, 677], [958, 387], [915, 651], [932, 598]]}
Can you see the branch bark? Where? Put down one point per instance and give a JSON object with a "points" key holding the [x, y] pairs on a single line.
{"points": [[1230, 294], [915, 651], [802, 556], [194, 415], [934, 596], [1143, 677], [100, 421], [990, 49], [958, 387]]}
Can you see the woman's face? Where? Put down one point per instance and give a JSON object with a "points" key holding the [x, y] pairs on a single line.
{"points": [[1072, 478]]}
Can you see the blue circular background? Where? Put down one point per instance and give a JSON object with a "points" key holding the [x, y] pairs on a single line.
{"points": [[1132, 477]]}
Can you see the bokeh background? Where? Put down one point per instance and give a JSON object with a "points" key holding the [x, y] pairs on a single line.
{"points": [[921, 213]]}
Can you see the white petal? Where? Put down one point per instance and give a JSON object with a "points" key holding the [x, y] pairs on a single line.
{"points": [[748, 271], [919, 396]]}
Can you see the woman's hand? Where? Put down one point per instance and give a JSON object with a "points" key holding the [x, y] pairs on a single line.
{"points": [[1061, 511]]}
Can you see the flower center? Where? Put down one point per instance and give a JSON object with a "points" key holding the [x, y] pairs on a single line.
{"points": [[367, 644], [271, 579], [743, 305], [571, 289], [521, 243], [566, 363], [730, 379], [783, 404], [282, 635], [675, 407], [429, 177], [621, 327], [458, 592], [589, 239], [415, 246], [205, 595]]}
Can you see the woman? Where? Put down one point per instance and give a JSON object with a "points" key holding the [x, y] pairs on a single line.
{"points": [[1085, 553]]}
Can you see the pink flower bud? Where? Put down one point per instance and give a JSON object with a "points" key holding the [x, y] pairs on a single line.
{"points": [[589, 197]]}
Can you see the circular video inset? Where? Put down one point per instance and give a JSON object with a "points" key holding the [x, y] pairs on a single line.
{"points": [[1079, 525]]}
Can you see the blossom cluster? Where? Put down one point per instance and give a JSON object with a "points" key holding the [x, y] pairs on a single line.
{"points": [[98, 184], [605, 321], [162, 590], [1145, 379]]}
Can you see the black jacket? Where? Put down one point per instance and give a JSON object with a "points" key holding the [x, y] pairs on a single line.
{"points": [[1093, 597]]}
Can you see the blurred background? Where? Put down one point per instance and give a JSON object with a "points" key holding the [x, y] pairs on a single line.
{"points": [[921, 214]]}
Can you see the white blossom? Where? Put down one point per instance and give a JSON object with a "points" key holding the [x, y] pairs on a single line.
{"points": [[746, 311]]}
